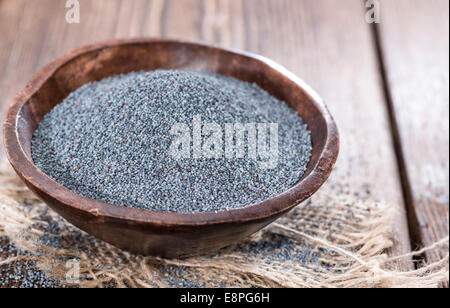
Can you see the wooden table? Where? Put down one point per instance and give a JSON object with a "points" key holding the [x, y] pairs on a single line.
{"points": [[386, 84]]}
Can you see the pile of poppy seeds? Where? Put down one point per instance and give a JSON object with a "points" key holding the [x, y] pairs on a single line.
{"points": [[110, 141]]}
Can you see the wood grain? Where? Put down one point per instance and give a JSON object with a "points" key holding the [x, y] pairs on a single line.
{"points": [[326, 42], [329, 44], [414, 37]]}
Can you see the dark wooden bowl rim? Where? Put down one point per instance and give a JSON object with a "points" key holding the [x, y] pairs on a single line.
{"points": [[259, 211]]}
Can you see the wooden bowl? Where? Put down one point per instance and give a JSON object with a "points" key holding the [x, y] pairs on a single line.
{"points": [[171, 235]]}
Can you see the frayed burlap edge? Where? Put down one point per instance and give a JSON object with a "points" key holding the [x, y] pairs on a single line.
{"points": [[336, 242]]}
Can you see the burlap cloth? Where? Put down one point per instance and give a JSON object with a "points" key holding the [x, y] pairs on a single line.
{"points": [[333, 242]]}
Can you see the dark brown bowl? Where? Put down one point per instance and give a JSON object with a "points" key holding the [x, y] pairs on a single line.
{"points": [[159, 233]]}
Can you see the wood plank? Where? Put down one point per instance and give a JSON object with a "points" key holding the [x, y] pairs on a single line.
{"points": [[326, 42], [415, 43], [329, 45]]}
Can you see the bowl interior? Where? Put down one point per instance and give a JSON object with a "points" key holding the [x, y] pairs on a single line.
{"points": [[97, 63]]}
